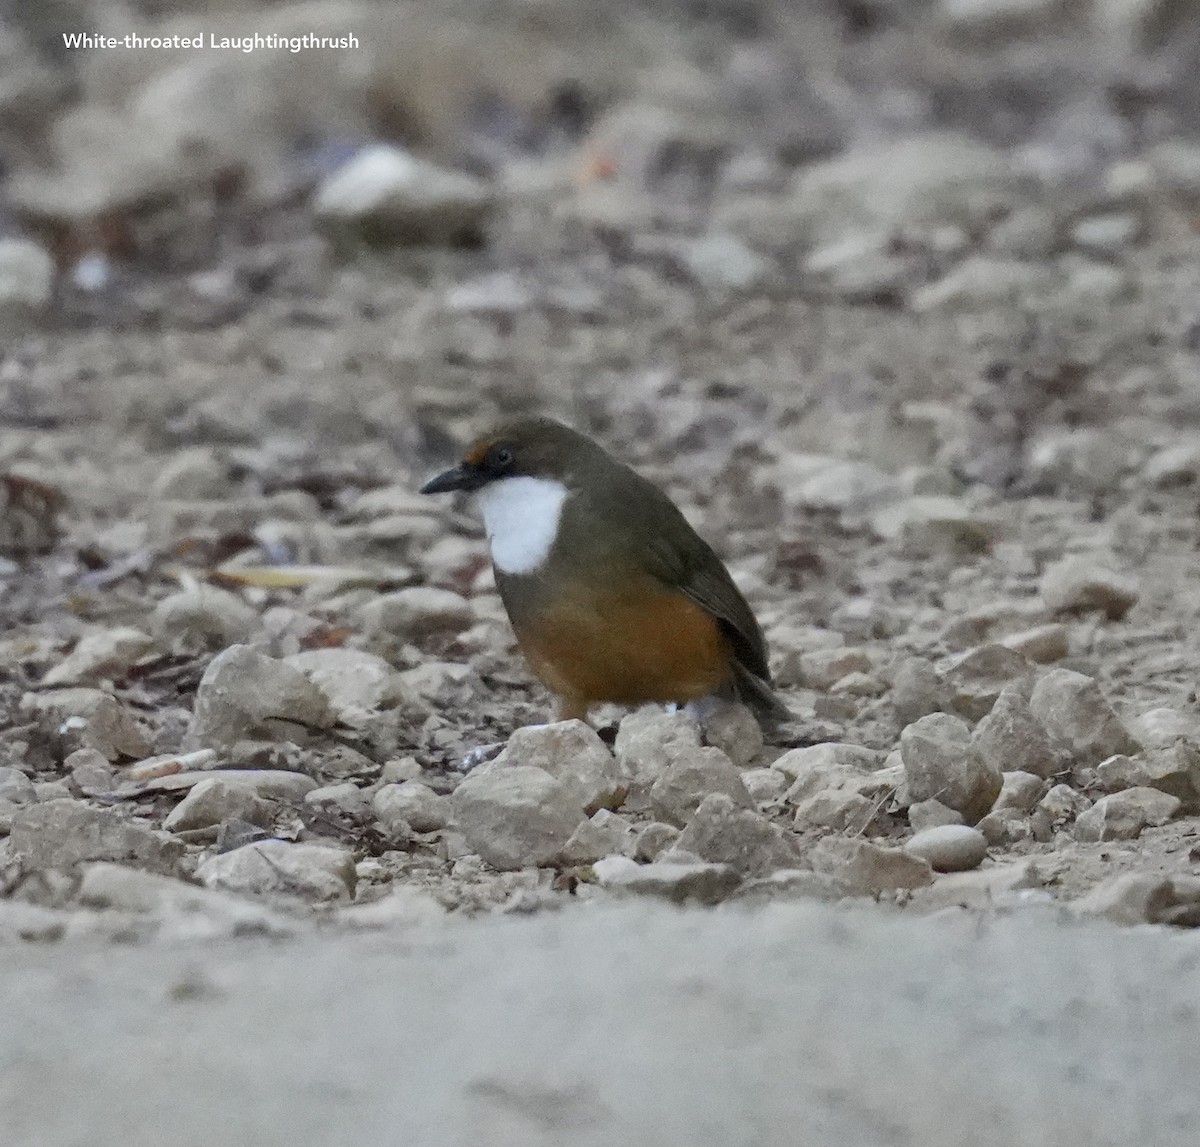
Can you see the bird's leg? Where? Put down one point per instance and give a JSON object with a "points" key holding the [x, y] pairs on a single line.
{"points": [[571, 709], [701, 708]]}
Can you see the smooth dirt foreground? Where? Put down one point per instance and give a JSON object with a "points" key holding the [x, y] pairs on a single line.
{"points": [[795, 1024]]}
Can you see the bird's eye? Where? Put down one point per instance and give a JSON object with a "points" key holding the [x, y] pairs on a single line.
{"points": [[504, 457]]}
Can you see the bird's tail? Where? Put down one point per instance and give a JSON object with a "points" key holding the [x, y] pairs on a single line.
{"points": [[757, 693]]}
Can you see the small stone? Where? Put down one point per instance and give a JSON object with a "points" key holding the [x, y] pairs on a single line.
{"points": [[1077, 718], [192, 912], [203, 617], [679, 883], [195, 473], [950, 847], [1042, 644], [936, 524], [918, 690], [1164, 728], [214, 800], [89, 719], [1020, 791], [722, 262], [313, 872], [1079, 584], [829, 765], [440, 682], [1009, 739], [1174, 770], [940, 764], [654, 838], [63, 833], [733, 728], [26, 284], [858, 685], [764, 785], [345, 798], [516, 816], [1123, 815], [242, 690], [1003, 885], [415, 612], [984, 282], [106, 655], [385, 195], [835, 809], [270, 784], [693, 775], [870, 869], [722, 832], [414, 803], [351, 679], [931, 814], [976, 678], [90, 772], [1056, 811], [16, 787], [1177, 465], [823, 668], [647, 740], [1004, 826], [401, 769], [572, 752], [603, 834], [1106, 235]]}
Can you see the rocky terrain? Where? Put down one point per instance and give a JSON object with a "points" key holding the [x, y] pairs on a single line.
{"points": [[898, 301]]}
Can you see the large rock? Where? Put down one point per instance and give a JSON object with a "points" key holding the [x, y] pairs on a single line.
{"points": [[417, 611], [89, 719], [108, 653], [314, 872], [203, 617], [647, 742], [517, 816], [694, 774], [949, 847], [1123, 815], [63, 833], [214, 800], [977, 678], [868, 869], [413, 803], [352, 679], [723, 832], [1079, 721], [385, 195], [572, 752], [243, 690], [1010, 740], [1077, 584], [940, 764]]}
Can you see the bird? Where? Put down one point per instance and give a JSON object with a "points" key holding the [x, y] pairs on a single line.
{"points": [[612, 595]]}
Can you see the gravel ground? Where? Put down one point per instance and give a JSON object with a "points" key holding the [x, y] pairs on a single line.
{"points": [[898, 301]]}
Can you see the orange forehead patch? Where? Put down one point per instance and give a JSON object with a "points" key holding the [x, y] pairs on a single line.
{"points": [[477, 452]]}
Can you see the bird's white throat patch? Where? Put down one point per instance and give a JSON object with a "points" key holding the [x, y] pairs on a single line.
{"points": [[520, 515]]}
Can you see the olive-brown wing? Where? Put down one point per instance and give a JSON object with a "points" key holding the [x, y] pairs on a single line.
{"points": [[695, 570]]}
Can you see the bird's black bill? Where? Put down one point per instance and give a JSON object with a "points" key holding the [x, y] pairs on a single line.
{"points": [[464, 477]]}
